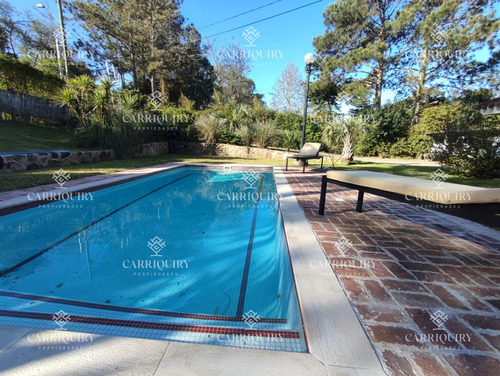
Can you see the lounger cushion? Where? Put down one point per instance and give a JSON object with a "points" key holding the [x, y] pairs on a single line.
{"points": [[299, 155], [444, 193], [310, 149]]}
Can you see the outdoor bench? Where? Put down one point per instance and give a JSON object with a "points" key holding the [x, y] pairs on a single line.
{"points": [[477, 204]]}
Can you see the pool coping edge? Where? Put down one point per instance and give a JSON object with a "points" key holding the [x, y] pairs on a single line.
{"points": [[324, 305]]}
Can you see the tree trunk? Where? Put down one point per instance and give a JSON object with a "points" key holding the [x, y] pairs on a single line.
{"points": [[152, 79], [134, 72], [348, 150], [419, 94], [379, 83]]}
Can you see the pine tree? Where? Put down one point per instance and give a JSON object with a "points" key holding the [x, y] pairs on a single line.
{"points": [[445, 34], [358, 47]]}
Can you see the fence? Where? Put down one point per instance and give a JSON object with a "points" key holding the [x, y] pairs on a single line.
{"points": [[24, 106]]}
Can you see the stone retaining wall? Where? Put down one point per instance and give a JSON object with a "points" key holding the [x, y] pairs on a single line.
{"points": [[227, 150], [30, 161], [153, 148]]}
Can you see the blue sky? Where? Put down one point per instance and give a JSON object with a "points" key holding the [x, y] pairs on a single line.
{"points": [[283, 39]]}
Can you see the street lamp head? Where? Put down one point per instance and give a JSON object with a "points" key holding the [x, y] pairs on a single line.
{"points": [[40, 5], [309, 59]]}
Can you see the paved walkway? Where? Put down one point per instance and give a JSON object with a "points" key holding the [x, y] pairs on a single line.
{"points": [[399, 161], [425, 285]]}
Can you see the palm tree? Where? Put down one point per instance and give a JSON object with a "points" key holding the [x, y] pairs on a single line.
{"points": [[209, 126], [77, 95], [345, 130], [265, 133], [101, 99], [247, 133]]}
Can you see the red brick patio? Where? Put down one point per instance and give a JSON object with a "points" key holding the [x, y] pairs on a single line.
{"points": [[425, 285]]}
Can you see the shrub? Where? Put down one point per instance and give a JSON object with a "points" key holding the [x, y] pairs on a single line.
{"points": [[469, 143], [289, 139], [367, 145], [389, 125], [209, 126], [265, 133], [246, 133], [22, 77], [182, 119]]}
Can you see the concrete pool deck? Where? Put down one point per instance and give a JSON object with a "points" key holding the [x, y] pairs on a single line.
{"points": [[368, 284]]}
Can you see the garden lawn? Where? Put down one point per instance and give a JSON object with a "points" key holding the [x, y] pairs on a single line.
{"points": [[26, 179], [18, 136]]}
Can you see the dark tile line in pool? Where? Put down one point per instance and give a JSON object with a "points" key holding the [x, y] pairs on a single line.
{"points": [[246, 268], [157, 326], [7, 271], [155, 312]]}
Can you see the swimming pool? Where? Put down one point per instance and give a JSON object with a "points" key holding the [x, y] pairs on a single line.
{"points": [[192, 254]]}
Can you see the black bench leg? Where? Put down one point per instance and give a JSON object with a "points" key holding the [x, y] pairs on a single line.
{"points": [[286, 168], [359, 205], [321, 162], [304, 165], [322, 195]]}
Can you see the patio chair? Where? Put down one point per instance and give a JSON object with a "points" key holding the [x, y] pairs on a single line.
{"points": [[310, 150]]}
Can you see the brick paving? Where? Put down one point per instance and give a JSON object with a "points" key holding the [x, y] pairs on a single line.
{"points": [[425, 285]]}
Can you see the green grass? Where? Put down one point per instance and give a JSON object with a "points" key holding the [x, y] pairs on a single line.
{"points": [[27, 179], [18, 136]]}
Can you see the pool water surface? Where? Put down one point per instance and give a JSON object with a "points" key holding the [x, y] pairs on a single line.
{"points": [[192, 254]]}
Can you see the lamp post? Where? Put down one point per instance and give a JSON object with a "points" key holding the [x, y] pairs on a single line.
{"points": [[52, 17], [63, 37], [309, 60], [63, 33]]}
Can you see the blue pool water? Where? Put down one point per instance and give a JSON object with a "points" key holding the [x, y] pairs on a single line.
{"points": [[200, 252]]}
